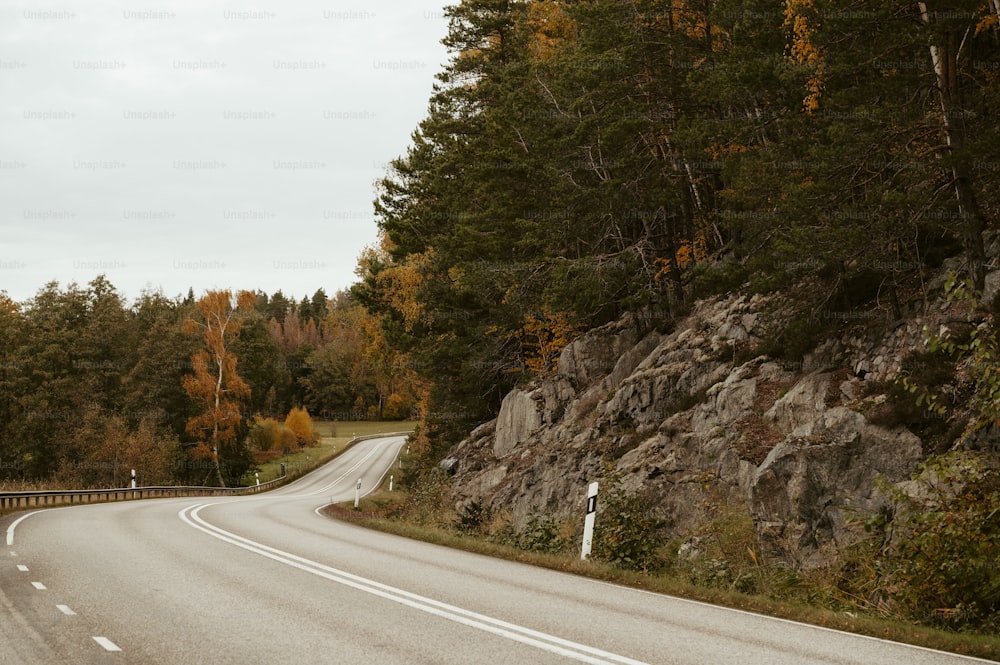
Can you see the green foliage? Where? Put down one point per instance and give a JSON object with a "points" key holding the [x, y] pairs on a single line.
{"points": [[924, 398], [428, 500], [943, 565], [957, 380], [794, 338], [84, 376], [542, 533], [583, 159], [725, 553], [474, 518], [630, 531], [979, 356]]}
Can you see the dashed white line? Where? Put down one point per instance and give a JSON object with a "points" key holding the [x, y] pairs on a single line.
{"points": [[66, 610], [107, 644], [22, 567], [38, 585]]}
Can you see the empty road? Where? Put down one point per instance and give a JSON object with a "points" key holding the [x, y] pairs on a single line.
{"points": [[268, 579]]}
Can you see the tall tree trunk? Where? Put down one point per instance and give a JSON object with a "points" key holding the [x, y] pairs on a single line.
{"points": [[944, 56], [215, 427]]}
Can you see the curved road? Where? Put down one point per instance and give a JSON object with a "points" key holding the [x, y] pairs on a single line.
{"points": [[268, 579]]}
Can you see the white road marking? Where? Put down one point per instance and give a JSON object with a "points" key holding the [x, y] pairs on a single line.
{"points": [[10, 529], [66, 610], [550, 643], [22, 567], [792, 622], [107, 644], [38, 585], [358, 464]]}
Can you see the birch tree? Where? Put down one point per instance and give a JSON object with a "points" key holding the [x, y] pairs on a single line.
{"points": [[215, 386]]}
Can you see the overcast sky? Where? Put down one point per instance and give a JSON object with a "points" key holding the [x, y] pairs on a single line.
{"points": [[207, 144]]}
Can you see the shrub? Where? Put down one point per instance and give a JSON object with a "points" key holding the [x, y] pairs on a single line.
{"points": [[924, 398], [301, 425], [474, 518], [267, 439], [630, 531], [944, 564], [542, 534], [725, 551]]}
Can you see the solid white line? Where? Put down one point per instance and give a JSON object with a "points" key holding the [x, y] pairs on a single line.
{"points": [[10, 529], [22, 567], [325, 489], [550, 643], [107, 644], [793, 622], [66, 610], [370, 490], [38, 585]]}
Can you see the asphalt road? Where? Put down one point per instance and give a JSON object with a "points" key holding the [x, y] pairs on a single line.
{"points": [[268, 579]]}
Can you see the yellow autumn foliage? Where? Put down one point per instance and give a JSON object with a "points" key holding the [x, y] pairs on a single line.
{"points": [[543, 337], [689, 253], [551, 29], [798, 19], [300, 424]]}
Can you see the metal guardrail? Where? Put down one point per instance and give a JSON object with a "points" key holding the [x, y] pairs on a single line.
{"points": [[9, 500], [40, 498]]}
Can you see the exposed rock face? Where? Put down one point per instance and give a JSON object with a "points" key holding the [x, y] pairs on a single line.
{"points": [[685, 415], [518, 420], [812, 482]]}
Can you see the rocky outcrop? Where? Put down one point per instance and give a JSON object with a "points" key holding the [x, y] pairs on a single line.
{"points": [[518, 420], [689, 416]]}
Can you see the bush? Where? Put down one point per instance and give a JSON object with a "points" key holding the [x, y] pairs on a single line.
{"points": [[724, 552], [630, 532], [908, 401], [268, 439], [542, 534], [301, 425], [474, 518], [944, 564]]}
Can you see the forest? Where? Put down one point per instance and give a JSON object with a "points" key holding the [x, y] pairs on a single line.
{"points": [[583, 159], [92, 386], [578, 160]]}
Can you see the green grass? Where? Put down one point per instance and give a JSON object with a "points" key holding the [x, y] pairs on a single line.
{"points": [[372, 508], [334, 437]]}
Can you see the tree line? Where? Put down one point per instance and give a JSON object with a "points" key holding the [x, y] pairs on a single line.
{"points": [[581, 159], [92, 386]]}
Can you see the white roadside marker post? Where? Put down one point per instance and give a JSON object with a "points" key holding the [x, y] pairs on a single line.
{"points": [[257, 476], [588, 524], [357, 495], [133, 478], [390, 483]]}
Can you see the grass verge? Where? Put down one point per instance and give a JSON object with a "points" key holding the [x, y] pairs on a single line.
{"points": [[374, 506]]}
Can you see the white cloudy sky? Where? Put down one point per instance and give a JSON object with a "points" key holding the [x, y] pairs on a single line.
{"points": [[206, 143]]}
